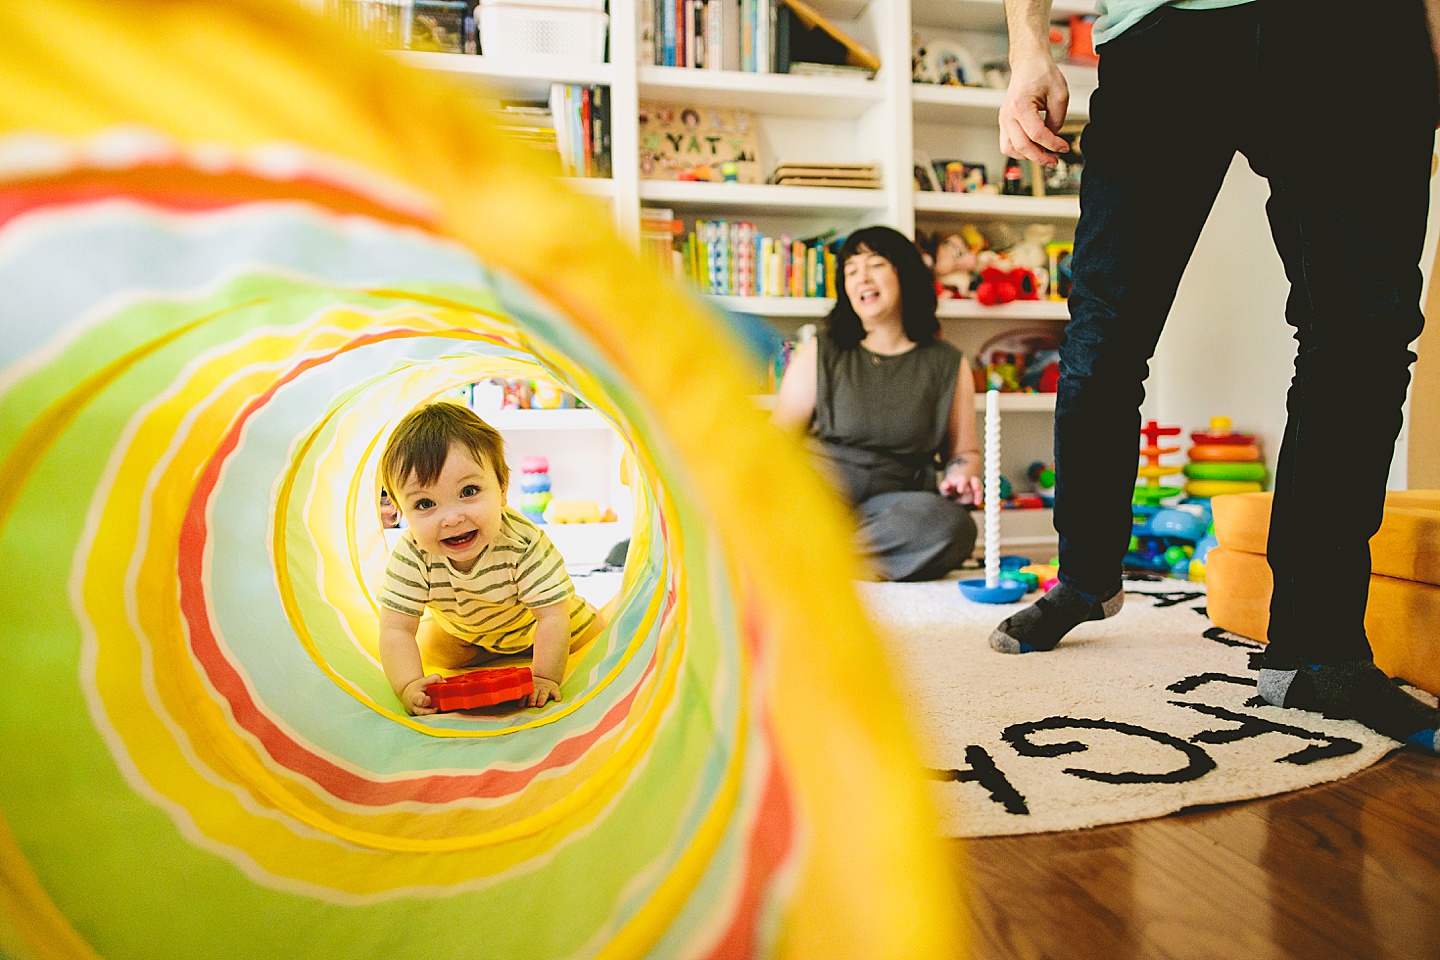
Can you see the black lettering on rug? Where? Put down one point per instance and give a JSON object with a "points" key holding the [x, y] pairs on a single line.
{"points": [[1327, 748], [1172, 598], [984, 772], [1200, 679], [1197, 761], [1220, 635]]}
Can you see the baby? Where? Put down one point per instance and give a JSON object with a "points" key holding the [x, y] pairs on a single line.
{"points": [[470, 579]]}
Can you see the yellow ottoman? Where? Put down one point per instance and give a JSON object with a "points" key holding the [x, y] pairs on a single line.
{"points": [[1402, 617]]}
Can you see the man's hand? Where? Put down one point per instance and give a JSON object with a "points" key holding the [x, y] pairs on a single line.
{"points": [[416, 700], [544, 691], [1036, 86]]}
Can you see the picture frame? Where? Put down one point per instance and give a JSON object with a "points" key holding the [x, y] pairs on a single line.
{"points": [[923, 173], [960, 176]]}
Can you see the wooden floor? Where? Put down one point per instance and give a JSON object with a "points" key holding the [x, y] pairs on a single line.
{"points": [[1348, 870]]}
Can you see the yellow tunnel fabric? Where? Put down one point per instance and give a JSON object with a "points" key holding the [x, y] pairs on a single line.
{"points": [[235, 249]]}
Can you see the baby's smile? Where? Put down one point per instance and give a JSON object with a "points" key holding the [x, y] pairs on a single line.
{"points": [[461, 540]]}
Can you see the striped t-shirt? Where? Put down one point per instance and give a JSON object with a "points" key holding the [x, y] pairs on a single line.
{"points": [[490, 605]]}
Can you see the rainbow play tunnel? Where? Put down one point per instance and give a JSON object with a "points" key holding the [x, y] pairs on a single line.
{"points": [[221, 289]]}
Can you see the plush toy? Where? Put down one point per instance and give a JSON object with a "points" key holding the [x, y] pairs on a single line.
{"points": [[999, 284], [954, 267], [1030, 251]]}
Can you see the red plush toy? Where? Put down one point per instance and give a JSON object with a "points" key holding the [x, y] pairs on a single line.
{"points": [[1001, 286]]}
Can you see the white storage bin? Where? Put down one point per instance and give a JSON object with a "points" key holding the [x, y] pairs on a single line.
{"points": [[521, 31], [562, 4]]}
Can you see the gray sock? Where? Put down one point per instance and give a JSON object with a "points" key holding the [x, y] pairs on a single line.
{"points": [[1042, 625], [1354, 690]]}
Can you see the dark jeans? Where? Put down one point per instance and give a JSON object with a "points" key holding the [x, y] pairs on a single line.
{"points": [[1179, 94]]}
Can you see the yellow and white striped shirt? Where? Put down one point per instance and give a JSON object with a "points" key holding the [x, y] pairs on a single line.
{"points": [[489, 606]]}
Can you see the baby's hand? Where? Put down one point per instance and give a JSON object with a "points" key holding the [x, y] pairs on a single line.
{"points": [[544, 690], [416, 700]]}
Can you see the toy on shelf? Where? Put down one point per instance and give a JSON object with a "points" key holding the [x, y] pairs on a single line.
{"points": [[994, 588], [481, 688], [534, 487], [577, 511], [1022, 360], [1043, 476], [1223, 462], [1059, 253], [1002, 285], [1151, 492]]}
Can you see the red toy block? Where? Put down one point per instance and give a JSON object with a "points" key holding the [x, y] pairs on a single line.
{"points": [[481, 688]]}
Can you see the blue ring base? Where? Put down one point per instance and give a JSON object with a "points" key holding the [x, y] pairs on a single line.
{"points": [[1008, 591]]}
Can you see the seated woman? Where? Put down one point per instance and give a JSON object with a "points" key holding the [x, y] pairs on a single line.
{"points": [[888, 402]]}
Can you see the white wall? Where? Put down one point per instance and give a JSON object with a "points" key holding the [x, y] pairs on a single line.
{"points": [[1227, 350]]}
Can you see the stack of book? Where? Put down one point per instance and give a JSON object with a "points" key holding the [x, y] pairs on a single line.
{"points": [[571, 128], [529, 121], [865, 176]]}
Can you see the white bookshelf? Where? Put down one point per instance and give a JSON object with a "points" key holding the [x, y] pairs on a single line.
{"points": [[888, 120]]}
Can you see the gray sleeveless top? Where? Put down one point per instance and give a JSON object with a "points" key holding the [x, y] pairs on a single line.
{"points": [[882, 421]]}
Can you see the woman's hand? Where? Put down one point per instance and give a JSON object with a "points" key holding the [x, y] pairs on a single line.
{"points": [[961, 482]]}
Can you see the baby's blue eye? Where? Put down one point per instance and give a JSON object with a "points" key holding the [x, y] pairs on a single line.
{"points": [[470, 490], [424, 504]]}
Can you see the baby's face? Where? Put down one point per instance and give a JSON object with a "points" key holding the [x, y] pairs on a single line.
{"points": [[459, 514]]}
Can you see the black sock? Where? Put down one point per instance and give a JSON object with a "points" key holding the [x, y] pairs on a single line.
{"points": [[1040, 626], [1354, 690]]}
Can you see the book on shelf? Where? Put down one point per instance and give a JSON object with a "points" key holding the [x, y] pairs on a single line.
{"points": [[801, 68], [754, 36], [580, 117], [679, 142], [734, 258]]}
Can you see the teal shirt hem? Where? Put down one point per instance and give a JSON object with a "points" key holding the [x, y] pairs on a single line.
{"points": [[1117, 16]]}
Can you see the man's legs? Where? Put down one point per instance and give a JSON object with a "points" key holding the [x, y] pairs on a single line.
{"points": [[1351, 253], [1160, 140]]}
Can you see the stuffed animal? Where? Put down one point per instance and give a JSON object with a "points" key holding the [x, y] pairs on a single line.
{"points": [[1004, 284], [954, 267]]}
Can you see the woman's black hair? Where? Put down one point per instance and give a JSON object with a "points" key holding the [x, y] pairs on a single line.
{"points": [[917, 287]]}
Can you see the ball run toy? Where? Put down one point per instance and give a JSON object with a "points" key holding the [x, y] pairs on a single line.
{"points": [[481, 688], [1223, 462], [1152, 492], [994, 588], [534, 487]]}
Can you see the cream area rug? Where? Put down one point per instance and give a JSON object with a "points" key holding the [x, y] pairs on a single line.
{"points": [[1147, 713]]}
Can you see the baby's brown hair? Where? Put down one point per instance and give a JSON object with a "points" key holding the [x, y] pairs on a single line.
{"points": [[422, 441]]}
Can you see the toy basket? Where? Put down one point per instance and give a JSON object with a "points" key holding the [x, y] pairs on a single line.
{"points": [[523, 31]]}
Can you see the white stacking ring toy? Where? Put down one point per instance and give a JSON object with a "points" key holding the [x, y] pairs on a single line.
{"points": [[995, 587]]}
